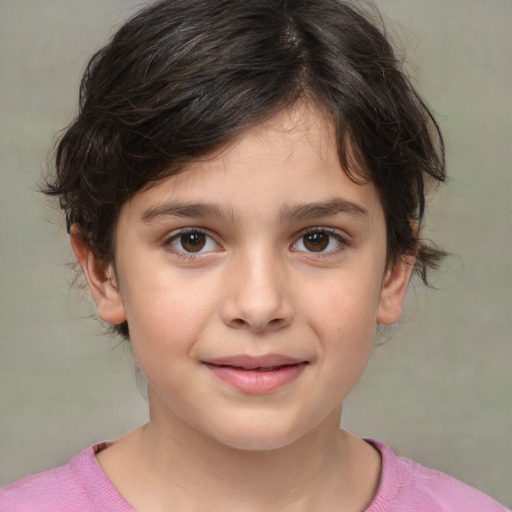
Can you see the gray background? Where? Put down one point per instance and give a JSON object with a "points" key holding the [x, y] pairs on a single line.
{"points": [[439, 391]]}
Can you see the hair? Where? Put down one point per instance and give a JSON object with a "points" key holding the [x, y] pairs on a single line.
{"points": [[184, 78]]}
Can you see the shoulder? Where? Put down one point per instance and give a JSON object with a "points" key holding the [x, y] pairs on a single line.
{"points": [[56, 490], [79, 486], [406, 486]]}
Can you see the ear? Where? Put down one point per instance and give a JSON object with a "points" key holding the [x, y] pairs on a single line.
{"points": [[394, 289], [100, 277]]}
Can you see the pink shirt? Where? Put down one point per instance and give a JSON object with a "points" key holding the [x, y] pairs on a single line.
{"points": [[81, 486]]}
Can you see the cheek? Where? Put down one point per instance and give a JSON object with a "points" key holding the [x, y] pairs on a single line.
{"points": [[166, 316], [346, 301], [344, 318]]}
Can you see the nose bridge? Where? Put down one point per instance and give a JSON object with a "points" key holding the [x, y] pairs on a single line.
{"points": [[258, 295]]}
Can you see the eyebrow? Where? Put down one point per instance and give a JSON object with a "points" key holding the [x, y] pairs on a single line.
{"points": [[297, 212], [322, 209], [185, 210]]}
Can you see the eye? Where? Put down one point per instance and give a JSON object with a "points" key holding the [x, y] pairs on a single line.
{"points": [[192, 241], [319, 240]]}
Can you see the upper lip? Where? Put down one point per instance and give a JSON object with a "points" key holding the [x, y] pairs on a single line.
{"points": [[248, 362]]}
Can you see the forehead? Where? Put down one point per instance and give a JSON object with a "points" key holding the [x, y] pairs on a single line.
{"points": [[289, 159]]}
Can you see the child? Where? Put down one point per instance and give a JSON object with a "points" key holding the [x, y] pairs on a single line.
{"points": [[244, 187]]}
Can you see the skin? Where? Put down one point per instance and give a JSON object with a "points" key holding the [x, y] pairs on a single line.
{"points": [[253, 284]]}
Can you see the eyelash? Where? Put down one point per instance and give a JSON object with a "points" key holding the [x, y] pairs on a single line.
{"points": [[176, 236], [341, 241], [331, 234]]}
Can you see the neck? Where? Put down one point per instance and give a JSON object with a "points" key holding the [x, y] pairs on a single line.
{"points": [[157, 466]]}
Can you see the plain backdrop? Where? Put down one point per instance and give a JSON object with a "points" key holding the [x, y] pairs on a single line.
{"points": [[438, 391]]}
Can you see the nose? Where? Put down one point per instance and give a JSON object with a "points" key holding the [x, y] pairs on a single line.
{"points": [[257, 295]]}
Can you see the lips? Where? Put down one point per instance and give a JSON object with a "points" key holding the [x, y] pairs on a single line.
{"points": [[257, 374]]}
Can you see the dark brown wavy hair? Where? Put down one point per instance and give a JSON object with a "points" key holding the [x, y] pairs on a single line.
{"points": [[183, 78]]}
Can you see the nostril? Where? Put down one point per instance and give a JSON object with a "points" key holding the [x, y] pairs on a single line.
{"points": [[256, 315], [241, 323]]}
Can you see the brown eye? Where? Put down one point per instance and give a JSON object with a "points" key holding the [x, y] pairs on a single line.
{"points": [[193, 242], [322, 241], [316, 242]]}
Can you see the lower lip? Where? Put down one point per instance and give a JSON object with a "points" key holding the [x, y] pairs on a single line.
{"points": [[257, 382]]}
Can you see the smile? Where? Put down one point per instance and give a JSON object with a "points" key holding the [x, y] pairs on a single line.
{"points": [[257, 375]]}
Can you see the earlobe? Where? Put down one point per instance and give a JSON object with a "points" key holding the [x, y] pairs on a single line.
{"points": [[100, 277], [394, 290]]}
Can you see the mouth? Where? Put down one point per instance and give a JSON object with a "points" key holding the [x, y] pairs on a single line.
{"points": [[257, 375]]}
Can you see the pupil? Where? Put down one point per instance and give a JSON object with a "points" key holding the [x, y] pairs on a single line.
{"points": [[193, 242], [316, 242]]}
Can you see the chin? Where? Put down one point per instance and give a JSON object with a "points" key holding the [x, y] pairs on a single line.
{"points": [[258, 438], [258, 444]]}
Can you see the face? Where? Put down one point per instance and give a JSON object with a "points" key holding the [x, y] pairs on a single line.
{"points": [[252, 284]]}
